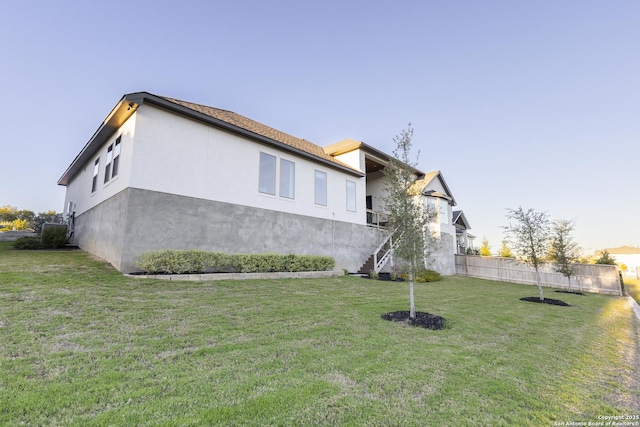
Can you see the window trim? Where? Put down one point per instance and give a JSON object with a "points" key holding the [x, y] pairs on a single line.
{"points": [[115, 163], [351, 192], [262, 177], [107, 166], [291, 179], [324, 176], [96, 172]]}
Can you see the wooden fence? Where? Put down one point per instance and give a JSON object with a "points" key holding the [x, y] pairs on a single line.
{"points": [[603, 279]]}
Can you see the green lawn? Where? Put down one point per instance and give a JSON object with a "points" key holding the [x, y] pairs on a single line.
{"points": [[82, 345], [632, 286]]}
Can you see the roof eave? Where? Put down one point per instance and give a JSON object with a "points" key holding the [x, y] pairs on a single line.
{"points": [[123, 110], [349, 145]]}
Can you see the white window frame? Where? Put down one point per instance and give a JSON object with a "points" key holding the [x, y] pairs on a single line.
{"points": [[351, 196], [320, 188], [432, 209], [287, 187], [267, 174], [107, 166], [444, 211], [116, 158], [96, 172]]}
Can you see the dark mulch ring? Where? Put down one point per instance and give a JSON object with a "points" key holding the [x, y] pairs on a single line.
{"points": [[423, 320], [571, 292], [386, 277], [546, 301]]}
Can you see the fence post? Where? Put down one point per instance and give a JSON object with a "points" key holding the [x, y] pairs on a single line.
{"points": [[621, 284]]}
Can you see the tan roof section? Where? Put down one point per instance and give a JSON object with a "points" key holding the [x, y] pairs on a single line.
{"points": [[258, 128], [419, 185], [622, 250]]}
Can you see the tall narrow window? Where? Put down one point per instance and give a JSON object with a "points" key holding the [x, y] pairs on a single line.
{"points": [[321, 188], [351, 196], [116, 158], [287, 179], [444, 211], [96, 168], [432, 209], [107, 168], [267, 178]]}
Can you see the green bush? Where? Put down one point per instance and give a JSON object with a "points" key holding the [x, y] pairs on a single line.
{"points": [[54, 237], [171, 261], [28, 242], [164, 261], [428, 276], [400, 272]]}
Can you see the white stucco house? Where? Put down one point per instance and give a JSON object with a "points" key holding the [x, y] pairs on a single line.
{"points": [[625, 255], [464, 239], [439, 202], [163, 173]]}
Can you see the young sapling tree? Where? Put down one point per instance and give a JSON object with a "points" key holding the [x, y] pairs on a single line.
{"points": [[563, 250], [407, 217], [529, 236]]}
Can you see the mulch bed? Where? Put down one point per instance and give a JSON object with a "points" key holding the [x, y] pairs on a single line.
{"points": [[546, 301], [423, 320]]}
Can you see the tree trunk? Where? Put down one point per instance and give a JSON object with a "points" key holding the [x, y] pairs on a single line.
{"points": [[569, 277], [412, 302], [539, 285]]}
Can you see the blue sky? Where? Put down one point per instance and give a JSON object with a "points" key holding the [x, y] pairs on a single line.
{"points": [[518, 103]]}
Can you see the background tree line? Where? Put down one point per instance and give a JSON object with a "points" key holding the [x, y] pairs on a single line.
{"points": [[11, 218]]}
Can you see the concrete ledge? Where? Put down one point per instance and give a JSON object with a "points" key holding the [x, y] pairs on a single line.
{"points": [[240, 276], [634, 306]]}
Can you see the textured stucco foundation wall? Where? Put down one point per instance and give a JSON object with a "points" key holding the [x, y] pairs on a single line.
{"points": [[443, 260], [135, 221], [100, 231]]}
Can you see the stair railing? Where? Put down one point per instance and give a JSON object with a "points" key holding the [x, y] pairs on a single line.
{"points": [[384, 252]]}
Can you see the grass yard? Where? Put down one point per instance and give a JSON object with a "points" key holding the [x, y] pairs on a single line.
{"points": [[632, 286], [83, 345]]}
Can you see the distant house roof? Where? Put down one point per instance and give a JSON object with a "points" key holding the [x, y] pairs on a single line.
{"points": [[224, 119], [459, 219], [622, 250], [420, 186]]}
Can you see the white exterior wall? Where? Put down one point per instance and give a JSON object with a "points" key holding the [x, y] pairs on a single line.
{"points": [[632, 261], [165, 152], [436, 185], [79, 188], [375, 188], [354, 158]]}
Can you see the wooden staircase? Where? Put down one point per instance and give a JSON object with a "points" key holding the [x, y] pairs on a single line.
{"points": [[382, 254], [368, 266]]}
